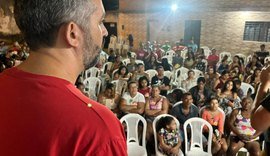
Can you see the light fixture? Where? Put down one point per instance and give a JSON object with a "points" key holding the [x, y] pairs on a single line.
{"points": [[174, 7]]}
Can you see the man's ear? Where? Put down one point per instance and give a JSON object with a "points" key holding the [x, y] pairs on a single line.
{"points": [[73, 34]]}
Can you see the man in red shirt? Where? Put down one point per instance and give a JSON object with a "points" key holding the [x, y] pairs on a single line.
{"points": [[41, 112], [213, 58]]}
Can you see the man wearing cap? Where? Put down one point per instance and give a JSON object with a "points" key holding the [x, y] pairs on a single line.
{"points": [[162, 80]]}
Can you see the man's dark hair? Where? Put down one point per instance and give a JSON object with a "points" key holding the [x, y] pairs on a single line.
{"points": [[200, 79], [40, 20], [140, 64], [131, 82], [224, 72], [178, 94], [159, 67], [237, 82], [186, 94]]}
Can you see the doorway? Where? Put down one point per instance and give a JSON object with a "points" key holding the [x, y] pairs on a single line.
{"points": [[112, 30], [192, 31]]}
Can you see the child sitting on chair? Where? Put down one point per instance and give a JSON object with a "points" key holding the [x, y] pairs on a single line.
{"points": [[168, 136]]}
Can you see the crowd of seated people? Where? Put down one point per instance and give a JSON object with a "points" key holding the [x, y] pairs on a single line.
{"points": [[12, 54], [219, 86]]}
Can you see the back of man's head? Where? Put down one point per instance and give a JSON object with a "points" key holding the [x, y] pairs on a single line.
{"points": [[40, 20]]}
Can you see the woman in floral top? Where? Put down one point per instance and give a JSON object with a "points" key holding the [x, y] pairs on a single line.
{"points": [[168, 136]]}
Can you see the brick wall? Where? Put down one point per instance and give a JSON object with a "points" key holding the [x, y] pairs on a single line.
{"points": [[220, 29]]}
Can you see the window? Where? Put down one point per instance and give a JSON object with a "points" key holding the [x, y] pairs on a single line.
{"points": [[257, 31]]}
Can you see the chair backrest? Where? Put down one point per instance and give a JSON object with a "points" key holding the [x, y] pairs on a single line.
{"points": [[184, 53], [222, 54], [155, 128], [106, 66], [196, 126], [206, 64], [207, 52], [180, 75], [245, 87], [249, 58], [267, 59], [126, 61], [92, 84], [139, 61], [205, 48], [198, 73], [92, 72], [170, 53], [168, 74], [177, 103], [132, 122], [244, 57], [151, 73], [169, 58], [120, 86], [113, 73]]}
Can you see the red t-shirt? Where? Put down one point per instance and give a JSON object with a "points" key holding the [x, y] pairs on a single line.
{"points": [[212, 60], [44, 115]]}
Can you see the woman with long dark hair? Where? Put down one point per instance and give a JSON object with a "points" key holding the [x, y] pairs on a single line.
{"points": [[229, 99]]}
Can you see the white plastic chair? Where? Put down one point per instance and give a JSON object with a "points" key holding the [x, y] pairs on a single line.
{"points": [[184, 53], [133, 144], [198, 73], [243, 149], [245, 87], [113, 73], [206, 50], [120, 86], [222, 54], [169, 58], [158, 153], [168, 74], [180, 75], [92, 85], [181, 102], [139, 61], [106, 66], [151, 73], [196, 143], [92, 72], [177, 103], [267, 59], [243, 56], [126, 61], [170, 53]]}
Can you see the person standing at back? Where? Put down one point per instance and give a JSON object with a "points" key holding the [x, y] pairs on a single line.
{"points": [[42, 113]]}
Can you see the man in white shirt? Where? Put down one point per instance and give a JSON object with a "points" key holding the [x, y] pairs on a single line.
{"points": [[132, 101]]}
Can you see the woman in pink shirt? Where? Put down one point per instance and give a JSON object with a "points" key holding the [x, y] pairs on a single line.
{"points": [[155, 105], [216, 119]]}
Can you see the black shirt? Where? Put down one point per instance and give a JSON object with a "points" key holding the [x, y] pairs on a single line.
{"points": [[165, 80]]}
